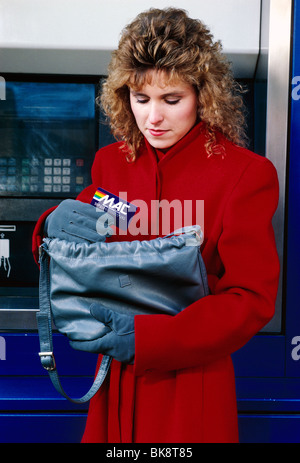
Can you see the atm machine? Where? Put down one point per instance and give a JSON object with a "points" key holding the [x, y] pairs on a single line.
{"points": [[49, 134], [50, 129]]}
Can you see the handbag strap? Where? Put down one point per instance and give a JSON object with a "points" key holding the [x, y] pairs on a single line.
{"points": [[44, 323]]}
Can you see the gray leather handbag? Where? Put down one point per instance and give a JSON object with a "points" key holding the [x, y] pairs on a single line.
{"points": [[163, 275]]}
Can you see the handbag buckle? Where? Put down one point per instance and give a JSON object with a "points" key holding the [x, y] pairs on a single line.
{"points": [[49, 366]]}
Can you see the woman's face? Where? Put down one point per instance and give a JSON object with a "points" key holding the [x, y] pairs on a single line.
{"points": [[164, 113]]}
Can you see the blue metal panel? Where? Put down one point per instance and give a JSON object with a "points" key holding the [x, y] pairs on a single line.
{"points": [[293, 231], [274, 395], [269, 428], [25, 385], [41, 428], [22, 356], [19, 393], [253, 360]]}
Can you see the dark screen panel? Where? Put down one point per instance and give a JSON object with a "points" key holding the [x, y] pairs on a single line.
{"points": [[48, 133]]}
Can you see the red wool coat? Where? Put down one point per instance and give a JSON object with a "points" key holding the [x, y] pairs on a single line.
{"points": [[181, 388]]}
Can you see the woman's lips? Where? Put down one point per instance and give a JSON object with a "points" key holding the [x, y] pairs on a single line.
{"points": [[157, 133]]}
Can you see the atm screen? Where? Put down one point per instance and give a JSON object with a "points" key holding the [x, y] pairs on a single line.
{"points": [[49, 135]]}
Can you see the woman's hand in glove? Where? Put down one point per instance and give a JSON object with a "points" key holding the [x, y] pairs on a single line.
{"points": [[79, 222], [119, 342]]}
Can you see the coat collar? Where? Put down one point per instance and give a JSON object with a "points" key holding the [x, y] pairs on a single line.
{"points": [[161, 157]]}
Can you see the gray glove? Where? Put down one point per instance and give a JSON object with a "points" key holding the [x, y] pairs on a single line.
{"points": [[80, 222], [118, 338]]}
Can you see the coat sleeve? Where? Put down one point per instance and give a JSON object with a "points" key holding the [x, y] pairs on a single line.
{"points": [[243, 298], [38, 233]]}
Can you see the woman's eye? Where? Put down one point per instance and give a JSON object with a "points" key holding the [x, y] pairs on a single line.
{"points": [[142, 101], [172, 101]]}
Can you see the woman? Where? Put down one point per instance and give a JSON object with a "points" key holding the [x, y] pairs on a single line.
{"points": [[171, 100]]}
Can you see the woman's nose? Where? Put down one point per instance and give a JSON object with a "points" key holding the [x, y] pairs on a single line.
{"points": [[155, 114]]}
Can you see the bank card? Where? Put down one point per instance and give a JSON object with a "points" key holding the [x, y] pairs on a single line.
{"points": [[121, 210]]}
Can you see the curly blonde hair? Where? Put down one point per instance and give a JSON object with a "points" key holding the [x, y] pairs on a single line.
{"points": [[168, 40]]}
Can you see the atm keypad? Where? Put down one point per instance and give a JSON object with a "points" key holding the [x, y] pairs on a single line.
{"points": [[42, 175]]}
